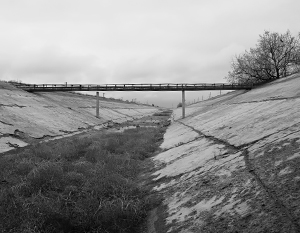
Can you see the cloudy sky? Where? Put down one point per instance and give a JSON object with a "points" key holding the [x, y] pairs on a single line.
{"points": [[134, 41]]}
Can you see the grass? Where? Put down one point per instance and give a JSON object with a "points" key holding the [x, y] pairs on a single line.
{"points": [[86, 184]]}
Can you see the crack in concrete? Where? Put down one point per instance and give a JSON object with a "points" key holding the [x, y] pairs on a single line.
{"points": [[13, 145], [271, 193], [88, 107], [168, 179], [46, 137], [67, 132], [250, 168], [50, 106], [242, 146], [12, 105], [181, 144], [266, 100], [217, 140], [17, 134], [122, 113], [6, 123], [278, 138], [246, 145], [9, 135]]}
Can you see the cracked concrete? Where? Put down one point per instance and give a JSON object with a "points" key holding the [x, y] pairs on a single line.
{"points": [[232, 165]]}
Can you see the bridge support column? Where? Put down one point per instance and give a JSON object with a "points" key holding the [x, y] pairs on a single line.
{"points": [[97, 104], [183, 104]]}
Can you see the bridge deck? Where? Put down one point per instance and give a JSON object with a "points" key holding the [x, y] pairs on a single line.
{"points": [[133, 87]]}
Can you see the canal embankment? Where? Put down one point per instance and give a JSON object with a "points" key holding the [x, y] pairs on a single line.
{"points": [[232, 165]]}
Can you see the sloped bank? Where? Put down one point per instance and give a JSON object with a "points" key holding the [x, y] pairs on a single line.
{"points": [[233, 164], [27, 117]]}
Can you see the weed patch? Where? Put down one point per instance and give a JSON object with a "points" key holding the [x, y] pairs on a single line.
{"points": [[86, 184]]}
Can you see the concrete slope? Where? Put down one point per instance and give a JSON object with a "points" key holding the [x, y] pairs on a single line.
{"points": [[26, 116], [233, 164]]}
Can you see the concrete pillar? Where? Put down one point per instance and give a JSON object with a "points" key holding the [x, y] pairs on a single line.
{"points": [[97, 105], [183, 104]]}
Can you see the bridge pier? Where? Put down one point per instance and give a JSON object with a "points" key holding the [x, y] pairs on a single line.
{"points": [[183, 104], [97, 104]]}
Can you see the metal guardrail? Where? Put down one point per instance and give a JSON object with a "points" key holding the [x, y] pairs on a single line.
{"points": [[132, 87]]}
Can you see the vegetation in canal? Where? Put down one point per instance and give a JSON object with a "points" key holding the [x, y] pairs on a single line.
{"points": [[83, 184]]}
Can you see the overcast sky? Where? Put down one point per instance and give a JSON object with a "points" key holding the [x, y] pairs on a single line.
{"points": [[134, 41]]}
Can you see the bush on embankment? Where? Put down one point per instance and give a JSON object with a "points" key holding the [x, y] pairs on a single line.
{"points": [[87, 184]]}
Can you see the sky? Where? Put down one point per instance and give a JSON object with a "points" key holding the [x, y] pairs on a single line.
{"points": [[134, 41]]}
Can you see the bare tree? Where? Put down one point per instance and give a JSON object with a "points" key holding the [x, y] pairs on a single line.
{"points": [[275, 56]]}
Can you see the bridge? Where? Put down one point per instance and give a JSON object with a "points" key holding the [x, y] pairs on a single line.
{"points": [[134, 87]]}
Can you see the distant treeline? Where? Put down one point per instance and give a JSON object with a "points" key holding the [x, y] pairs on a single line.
{"points": [[275, 56]]}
